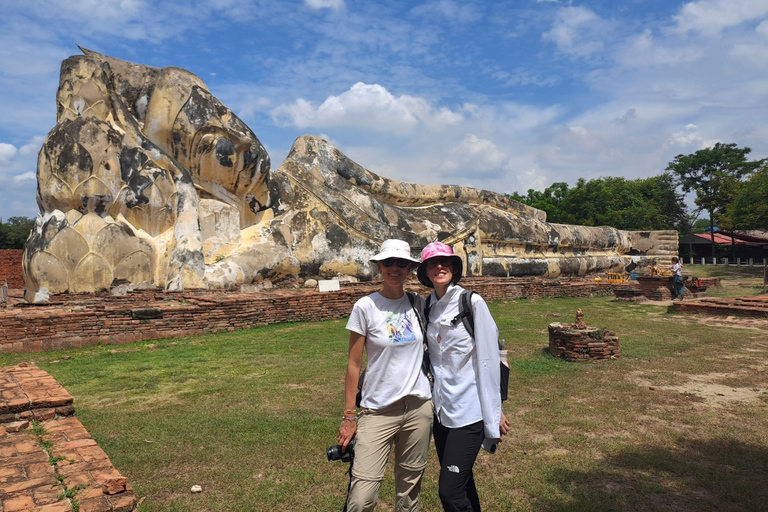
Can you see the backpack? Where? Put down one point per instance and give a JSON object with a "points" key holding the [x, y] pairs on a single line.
{"points": [[467, 317]]}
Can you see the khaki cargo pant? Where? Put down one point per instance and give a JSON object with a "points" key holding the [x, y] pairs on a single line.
{"points": [[407, 424]]}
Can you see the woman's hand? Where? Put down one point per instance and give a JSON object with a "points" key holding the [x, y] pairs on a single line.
{"points": [[347, 431], [503, 425]]}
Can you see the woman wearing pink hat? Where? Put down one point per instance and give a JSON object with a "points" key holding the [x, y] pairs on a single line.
{"points": [[466, 392], [395, 398]]}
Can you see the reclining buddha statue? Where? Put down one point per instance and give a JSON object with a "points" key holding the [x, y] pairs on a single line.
{"points": [[148, 178]]}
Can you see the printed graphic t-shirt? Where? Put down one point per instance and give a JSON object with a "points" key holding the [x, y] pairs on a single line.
{"points": [[394, 344]]}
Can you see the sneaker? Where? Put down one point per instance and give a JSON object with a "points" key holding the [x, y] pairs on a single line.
{"points": [[675, 300]]}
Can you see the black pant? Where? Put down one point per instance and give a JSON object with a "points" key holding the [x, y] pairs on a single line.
{"points": [[457, 450]]}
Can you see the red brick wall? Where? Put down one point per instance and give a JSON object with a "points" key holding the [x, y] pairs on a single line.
{"points": [[147, 315], [10, 267]]}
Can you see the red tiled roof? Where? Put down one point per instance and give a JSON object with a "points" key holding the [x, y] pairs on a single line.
{"points": [[723, 239]]}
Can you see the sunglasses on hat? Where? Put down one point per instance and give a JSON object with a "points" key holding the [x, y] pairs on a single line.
{"points": [[395, 261]]}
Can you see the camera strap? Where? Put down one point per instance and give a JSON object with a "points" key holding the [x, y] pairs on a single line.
{"points": [[349, 487]]}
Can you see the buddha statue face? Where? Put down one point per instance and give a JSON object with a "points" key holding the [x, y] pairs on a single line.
{"points": [[138, 117], [224, 157]]}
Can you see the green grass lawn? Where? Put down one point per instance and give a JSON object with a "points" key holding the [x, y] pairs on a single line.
{"points": [[736, 280], [677, 423]]}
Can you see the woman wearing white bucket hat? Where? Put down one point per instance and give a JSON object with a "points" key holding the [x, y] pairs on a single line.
{"points": [[395, 398], [466, 372]]}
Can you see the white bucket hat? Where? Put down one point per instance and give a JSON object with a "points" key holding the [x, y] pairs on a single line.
{"points": [[395, 249]]}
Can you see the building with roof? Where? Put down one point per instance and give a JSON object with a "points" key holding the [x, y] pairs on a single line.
{"points": [[741, 245]]}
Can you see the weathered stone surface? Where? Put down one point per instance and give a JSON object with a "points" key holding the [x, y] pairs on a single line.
{"points": [[148, 178], [339, 212]]}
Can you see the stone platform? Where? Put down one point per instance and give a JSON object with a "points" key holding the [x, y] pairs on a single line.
{"points": [[754, 306], [582, 343], [48, 460], [657, 288]]}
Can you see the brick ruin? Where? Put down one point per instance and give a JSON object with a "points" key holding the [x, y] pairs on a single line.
{"points": [[582, 342], [81, 320], [48, 460]]}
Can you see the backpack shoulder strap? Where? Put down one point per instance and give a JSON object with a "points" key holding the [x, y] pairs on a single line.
{"points": [[466, 314], [419, 317], [428, 307], [426, 366]]}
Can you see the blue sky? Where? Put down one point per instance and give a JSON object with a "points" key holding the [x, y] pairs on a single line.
{"points": [[499, 95]]}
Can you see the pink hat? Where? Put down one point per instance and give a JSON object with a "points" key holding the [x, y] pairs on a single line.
{"points": [[438, 250]]}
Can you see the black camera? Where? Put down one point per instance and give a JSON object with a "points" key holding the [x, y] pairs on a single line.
{"points": [[335, 453]]}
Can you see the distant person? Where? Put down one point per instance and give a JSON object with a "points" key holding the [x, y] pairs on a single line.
{"points": [[678, 281], [466, 372], [395, 398]]}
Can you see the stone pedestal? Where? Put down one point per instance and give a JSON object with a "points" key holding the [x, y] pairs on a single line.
{"points": [[656, 287], [582, 344], [628, 292]]}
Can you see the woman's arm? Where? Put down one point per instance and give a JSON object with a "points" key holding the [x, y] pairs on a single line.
{"points": [[348, 427], [488, 373]]}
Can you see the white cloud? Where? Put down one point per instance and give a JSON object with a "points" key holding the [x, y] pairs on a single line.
{"points": [[687, 138], [711, 17], [336, 5], [368, 106], [577, 31], [644, 50], [574, 91], [27, 176], [475, 155], [33, 146], [7, 153], [448, 10], [579, 131], [135, 19], [755, 54], [16, 161], [532, 178]]}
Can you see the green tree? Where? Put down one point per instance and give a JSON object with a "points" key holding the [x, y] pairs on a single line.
{"points": [[14, 233], [700, 226], [749, 207], [713, 174], [550, 201], [642, 204]]}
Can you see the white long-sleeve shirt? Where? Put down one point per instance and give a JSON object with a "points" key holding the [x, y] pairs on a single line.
{"points": [[466, 370]]}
